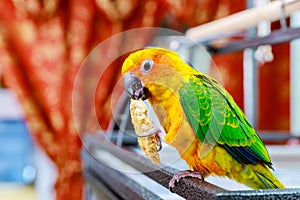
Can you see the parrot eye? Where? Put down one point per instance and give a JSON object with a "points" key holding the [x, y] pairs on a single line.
{"points": [[146, 66]]}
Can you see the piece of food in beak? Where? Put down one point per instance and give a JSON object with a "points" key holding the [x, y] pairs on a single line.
{"points": [[145, 130]]}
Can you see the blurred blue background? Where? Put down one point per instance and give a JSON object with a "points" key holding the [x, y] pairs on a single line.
{"points": [[16, 153]]}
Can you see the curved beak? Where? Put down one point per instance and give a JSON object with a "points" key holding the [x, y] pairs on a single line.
{"points": [[134, 87]]}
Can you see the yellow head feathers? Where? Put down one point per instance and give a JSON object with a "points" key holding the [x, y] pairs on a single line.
{"points": [[159, 56]]}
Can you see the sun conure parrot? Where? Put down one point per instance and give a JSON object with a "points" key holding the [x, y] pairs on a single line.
{"points": [[200, 118]]}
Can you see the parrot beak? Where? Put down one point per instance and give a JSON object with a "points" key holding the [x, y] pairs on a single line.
{"points": [[134, 87]]}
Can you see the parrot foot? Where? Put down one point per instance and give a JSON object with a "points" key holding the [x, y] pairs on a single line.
{"points": [[182, 174]]}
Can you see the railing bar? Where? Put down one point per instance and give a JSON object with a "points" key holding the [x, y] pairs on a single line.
{"points": [[118, 182], [185, 187], [276, 37], [189, 188]]}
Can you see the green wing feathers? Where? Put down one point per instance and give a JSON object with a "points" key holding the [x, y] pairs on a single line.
{"points": [[215, 118]]}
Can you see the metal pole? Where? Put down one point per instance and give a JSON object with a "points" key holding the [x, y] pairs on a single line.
{"points": [[250, 80], [295, 79], [250, 89]]}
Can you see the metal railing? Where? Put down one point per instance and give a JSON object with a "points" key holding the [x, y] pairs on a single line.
{"points": [[116, 185]]}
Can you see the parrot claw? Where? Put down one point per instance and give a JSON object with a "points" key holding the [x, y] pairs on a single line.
{"points": [[159, 145], [187, 173], [157, 132]]}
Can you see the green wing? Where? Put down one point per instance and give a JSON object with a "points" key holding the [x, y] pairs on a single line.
{"points": [[216, 119]]}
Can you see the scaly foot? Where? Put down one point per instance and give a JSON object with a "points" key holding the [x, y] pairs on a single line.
{"points": [[182, 174]]}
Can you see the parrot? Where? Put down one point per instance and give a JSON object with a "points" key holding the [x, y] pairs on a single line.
{"points": [[200, 118]]}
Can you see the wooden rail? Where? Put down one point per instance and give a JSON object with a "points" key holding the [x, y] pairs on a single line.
{"points": [[243, 20]]}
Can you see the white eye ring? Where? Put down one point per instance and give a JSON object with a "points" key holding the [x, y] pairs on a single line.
{"points": [[146, 66]]}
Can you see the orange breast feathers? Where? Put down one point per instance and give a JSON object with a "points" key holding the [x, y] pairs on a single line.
{"points": [[179, 134]]}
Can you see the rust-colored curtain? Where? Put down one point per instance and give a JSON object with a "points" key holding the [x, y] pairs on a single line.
{"points": [[43, 43], [274, 89]]}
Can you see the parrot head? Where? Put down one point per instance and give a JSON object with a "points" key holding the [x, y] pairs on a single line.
{"points": [[151, 72]]}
